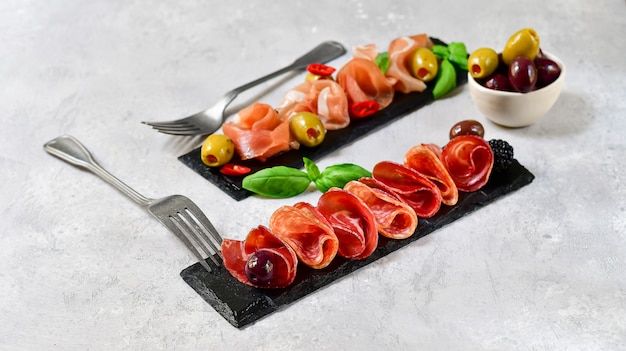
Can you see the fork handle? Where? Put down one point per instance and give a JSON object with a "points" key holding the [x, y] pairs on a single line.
{"points": [[72, 151], [322, 53]]}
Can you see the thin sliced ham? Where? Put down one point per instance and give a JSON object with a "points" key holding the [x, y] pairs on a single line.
{"points": [[323, 97], [308, 233], [236, 254], [411, 186], [400, 51], [426, 159], [469, 160], [394, 218], [363, 80], [353, 223], [258, 132]]}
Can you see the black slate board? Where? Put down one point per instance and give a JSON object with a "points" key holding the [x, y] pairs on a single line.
{"points": [[242, 305], [402, 105]]}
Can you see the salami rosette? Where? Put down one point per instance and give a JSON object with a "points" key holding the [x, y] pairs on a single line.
{"points": [[279, 260], [411, 186], [469, 160], [323, 97], [394, 218], [353, 223], [426, 160], [363, 81], [308, 233], [400, 51]]}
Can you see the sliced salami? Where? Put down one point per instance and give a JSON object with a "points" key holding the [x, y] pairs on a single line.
{"points": [[284, 260], [426, 160], [469, 160], [307, 232], [411, 186], [394, 218], [352, 221]]}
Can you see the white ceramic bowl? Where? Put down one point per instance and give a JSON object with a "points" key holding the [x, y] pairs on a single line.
{"points": [[512, 109]]}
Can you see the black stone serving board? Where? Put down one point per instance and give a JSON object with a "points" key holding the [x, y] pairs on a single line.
{"points": [[401, 105], [242, 305]]}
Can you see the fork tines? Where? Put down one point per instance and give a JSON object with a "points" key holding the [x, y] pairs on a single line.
{"points": [[199, 235]]}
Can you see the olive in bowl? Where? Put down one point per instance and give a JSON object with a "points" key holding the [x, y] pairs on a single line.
{"points": [[517, 109]]}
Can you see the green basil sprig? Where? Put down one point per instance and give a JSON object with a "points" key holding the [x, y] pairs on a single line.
{"points": [[284, 182], [455, 53], [382, 61]]}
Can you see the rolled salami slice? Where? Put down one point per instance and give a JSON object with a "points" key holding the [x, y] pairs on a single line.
{"points": [[284, 260], [469, 160], [426, 159], [411, 186], [394, 218], [353, 222], [307, 232]]}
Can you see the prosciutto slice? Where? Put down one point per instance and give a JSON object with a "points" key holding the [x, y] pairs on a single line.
{"points": [[411, 186], [394, 218], [323, 97], [353, 223], [307, 232], [426, 160], [469, 160], [363, 80], [236, 254], [258, 132], [400, 52]]}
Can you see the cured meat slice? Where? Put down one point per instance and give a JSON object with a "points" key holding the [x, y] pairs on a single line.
{"points": [[426, 159], [394, 218], [400, 52], [307, 232], [323, 97], [236, 254], [258, 132], [363, 80], [411, 186], [353, 223], [469, 160], [368, 52]]}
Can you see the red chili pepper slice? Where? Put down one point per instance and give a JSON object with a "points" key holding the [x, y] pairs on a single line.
{"points": [[364, 108], [320, 69], [232, 169]]}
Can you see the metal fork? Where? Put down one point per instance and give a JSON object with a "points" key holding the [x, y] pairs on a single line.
{"points": [[178, 213], [211, 119]]}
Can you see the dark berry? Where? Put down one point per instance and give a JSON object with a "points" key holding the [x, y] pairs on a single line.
{"points": [[502, 154]]}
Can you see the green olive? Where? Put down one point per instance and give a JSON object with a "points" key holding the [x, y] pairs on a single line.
{"points": [[424, 65], [307, 128], [523, 43], [482, 62], [311, 77], [217, 150]]}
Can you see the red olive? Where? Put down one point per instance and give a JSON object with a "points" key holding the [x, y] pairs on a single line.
{"points": [[467, 127], [523, 74]]}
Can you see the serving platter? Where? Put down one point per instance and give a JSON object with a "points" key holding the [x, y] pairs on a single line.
{"points": [[401, 105], [242, 305]]}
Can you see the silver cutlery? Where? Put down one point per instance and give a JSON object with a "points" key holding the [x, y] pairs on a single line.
{"points": [[211, 119], [178, 213]]}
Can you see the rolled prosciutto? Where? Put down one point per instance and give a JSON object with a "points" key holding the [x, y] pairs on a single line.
{"points": [[323, 97], [469, 160], [410, 186], [363, 80], [394, 218], [284, 261], [400, 52], [353, 223], [426, 160], [308, 233]]}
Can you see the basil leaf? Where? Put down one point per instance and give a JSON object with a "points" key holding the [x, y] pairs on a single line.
{"points": [[458, 54], [382, 61], [277, 182], [440, 51], [339, 175], [446, 80], [311, 168]]}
